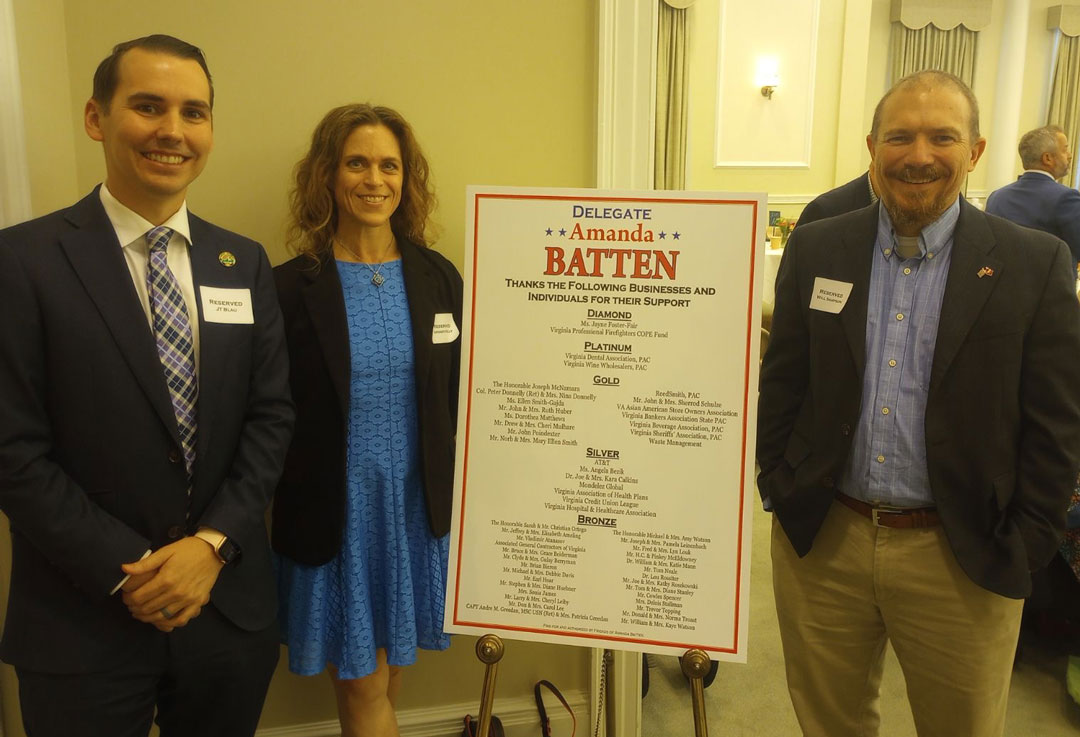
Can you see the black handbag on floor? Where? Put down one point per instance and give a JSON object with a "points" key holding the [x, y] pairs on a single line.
{"points": [[472, 725], [545, 722]]}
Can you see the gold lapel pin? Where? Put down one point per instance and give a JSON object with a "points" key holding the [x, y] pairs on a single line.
{"points": [[985, 271], [227, 259]]}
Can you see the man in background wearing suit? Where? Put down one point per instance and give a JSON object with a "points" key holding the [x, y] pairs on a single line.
{"points": [[144, 415], [855, 195], [918, 431], [1036, 199]]}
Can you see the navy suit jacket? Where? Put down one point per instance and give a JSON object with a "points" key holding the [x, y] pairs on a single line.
{"points": [[1037, 201], [90, 470], [309, 506], [1003, 400], [853, 195]]}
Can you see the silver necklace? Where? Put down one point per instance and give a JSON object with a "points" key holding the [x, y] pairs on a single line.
{"points": [[376, 278]]}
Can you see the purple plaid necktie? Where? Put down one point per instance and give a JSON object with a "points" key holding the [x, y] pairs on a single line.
{"points": [[172, 331]]}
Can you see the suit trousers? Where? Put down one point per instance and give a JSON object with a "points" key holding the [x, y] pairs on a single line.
{"points": [[861, 585], [206, 679]]}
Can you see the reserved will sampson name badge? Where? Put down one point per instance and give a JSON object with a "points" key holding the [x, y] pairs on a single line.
{"points": [[445, 329], [829, 295], [227, 305]]}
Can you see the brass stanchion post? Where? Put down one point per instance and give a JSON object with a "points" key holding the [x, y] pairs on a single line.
{"points": [[489, 650], [695, 664]]}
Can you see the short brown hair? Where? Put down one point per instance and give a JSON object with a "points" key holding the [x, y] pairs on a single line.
{"points": [[925, 78], [106, 78], [313, 210]]}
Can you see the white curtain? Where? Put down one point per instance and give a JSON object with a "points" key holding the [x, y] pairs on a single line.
{"points": [[1064, 108], [669, 160], [929, 47]]}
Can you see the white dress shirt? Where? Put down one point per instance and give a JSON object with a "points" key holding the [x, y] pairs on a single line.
{"points": [[131, 229]]}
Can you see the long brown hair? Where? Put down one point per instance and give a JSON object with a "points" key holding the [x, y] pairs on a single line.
{"points": [[313, 211]]}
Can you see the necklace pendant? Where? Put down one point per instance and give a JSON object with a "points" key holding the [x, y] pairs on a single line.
{"points": [[377, 279]]}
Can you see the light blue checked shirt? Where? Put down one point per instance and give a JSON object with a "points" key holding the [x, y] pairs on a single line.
{"points": [[887, 463]]}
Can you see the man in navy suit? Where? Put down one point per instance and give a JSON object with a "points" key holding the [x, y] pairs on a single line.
{"points": [[1036, 199], [853, 195], [144, 416]]}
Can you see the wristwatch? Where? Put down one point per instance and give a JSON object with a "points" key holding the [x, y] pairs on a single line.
{"points": [[227, 551]]}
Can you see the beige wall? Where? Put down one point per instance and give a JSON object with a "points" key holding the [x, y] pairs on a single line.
{"points": [[839, 149], [492, 100], [818, 177], [498, 93]]}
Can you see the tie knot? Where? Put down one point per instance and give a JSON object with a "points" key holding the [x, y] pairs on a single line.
{"points": [[158, 238]]}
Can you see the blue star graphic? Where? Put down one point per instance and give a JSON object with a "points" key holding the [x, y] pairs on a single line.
{"points": [[675, 236], [549, 231], [663, 235], [562, 231]]}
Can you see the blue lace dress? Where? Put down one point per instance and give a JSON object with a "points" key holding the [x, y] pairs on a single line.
{"points": [[386, 586]]}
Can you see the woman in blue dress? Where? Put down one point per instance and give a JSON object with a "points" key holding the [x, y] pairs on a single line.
{"points": [[361, 516]]}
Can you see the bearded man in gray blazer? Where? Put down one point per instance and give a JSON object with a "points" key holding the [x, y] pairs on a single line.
{"points": [[919, 431]]}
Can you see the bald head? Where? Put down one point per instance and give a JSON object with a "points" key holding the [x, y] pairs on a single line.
{"points": [[926, 79], [924, 141]]}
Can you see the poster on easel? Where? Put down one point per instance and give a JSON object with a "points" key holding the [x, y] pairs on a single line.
{"points": [[605, 442]]}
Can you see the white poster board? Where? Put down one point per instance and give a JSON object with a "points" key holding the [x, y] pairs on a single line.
{"points": [[605, 442]]}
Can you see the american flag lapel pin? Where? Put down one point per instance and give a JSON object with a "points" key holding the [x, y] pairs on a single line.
{"points": [[985, 271]]}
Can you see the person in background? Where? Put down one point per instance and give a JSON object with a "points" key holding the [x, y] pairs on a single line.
{"points": [[1036, 199], [854, 195], [372, 318]]}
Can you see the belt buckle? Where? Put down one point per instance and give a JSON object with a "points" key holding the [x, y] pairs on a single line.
{"points": [[875, 511]]}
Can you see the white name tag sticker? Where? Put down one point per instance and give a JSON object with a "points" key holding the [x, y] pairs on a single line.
{"points": [[445, 330], [227, 305], [829, 295]]}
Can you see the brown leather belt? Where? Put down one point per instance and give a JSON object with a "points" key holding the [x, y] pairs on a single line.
{"points": [[901, 518]]}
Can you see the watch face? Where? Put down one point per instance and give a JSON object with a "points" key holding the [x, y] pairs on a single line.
{"points": [[228, 551]]}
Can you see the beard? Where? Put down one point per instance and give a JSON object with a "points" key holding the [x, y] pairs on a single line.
{"points": [[916, 211]]}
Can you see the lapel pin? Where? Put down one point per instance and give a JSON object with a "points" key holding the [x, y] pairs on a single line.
{"points": [[985, 271], [227, 259]]}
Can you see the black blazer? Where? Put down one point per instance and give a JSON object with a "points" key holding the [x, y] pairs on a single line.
{"points": [[853, 195], [1003, 407], [309, 506], [90, 470]]}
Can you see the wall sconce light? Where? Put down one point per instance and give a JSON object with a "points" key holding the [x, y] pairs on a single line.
{"points": [[768, 75]]}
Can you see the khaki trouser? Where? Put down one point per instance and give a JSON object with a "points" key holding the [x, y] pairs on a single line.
{"points": [[861, 585]]}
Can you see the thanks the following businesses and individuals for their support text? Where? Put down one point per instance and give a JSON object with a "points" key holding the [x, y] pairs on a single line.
{"points": [[605, 435]]}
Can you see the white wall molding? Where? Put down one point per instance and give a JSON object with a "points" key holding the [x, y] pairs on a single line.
{"points": [[778, 131], [790, 199], [518, 715], [14, 169], [626, 88]]}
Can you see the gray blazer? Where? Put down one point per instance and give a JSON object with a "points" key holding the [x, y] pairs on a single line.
{"points": [[1003, 407]]}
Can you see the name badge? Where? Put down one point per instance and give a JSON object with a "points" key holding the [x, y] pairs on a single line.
{"points": [[829, 295], [227, 305], [445, 330]]}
